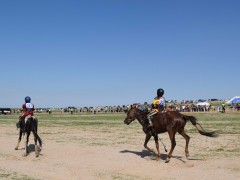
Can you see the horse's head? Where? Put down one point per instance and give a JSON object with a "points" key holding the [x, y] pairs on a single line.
{"points": [[134, 113], [131, 116]]}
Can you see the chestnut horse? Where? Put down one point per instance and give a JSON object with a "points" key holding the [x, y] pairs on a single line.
{"points": [[30, 126], [171, 122]]}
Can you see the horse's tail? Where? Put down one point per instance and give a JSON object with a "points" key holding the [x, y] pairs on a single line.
{"points": [[200, 129]]}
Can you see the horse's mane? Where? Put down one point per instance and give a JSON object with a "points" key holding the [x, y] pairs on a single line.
{"points": [[143, 109]]}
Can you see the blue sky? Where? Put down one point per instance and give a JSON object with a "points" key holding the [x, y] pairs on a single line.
{"points": [[113, 52]]}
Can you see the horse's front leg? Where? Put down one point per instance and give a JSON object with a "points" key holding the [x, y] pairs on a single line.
{"points": [[26, 144], [148, 136], [157, 147], [19, 139], [173, 144]]}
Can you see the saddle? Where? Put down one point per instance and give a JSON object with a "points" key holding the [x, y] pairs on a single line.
{"points": [[22, 124]]}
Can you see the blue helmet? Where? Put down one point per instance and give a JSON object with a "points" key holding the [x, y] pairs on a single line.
{"points": [[27, 99]]}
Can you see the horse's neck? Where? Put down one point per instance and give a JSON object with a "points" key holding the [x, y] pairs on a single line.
{"points": [[141, 120]]}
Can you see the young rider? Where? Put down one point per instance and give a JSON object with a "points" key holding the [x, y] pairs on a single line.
{"points": [[158, 105], [27, 108]]}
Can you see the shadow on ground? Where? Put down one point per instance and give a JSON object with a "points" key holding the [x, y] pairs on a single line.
{"points": [[145, 153]]}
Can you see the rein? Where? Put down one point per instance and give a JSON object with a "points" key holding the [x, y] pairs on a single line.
{"points": [[141, 120]]}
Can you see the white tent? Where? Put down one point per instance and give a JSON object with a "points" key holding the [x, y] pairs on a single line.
{"points": [[207, 104], [233, 99]]}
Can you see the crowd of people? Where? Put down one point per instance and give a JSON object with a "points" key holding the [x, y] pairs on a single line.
{"points": [[184, 106], [181, 107], [236, 106]]}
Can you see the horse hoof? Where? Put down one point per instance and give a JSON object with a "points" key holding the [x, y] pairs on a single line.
{"points": [[167, 160], [16, 148], [24, 155], [151, 150], [36, 153]]}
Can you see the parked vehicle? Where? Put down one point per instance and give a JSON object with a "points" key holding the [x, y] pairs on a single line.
{"points": [[5, 111]]}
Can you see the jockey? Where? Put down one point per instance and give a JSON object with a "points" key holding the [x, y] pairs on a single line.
{"points": [[27, 108], [158, 105]]}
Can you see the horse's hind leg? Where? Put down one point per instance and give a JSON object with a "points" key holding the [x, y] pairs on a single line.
{"points": [[36, 146], [187, 138], [26, 144], [19, 140]]}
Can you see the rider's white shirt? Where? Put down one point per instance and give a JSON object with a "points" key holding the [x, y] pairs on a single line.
{"points": [[29, 105], [162, 101]]}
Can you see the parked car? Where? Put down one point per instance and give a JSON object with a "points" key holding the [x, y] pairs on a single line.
{"points": [[5, 111]]}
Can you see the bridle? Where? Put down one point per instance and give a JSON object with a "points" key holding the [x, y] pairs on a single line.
{"points": [[128, 121]]}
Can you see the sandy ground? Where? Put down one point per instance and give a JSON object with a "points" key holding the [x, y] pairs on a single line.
{"points": [[62, 158]]}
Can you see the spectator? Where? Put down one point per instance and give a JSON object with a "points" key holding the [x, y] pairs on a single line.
{"points": [[223, 107], [219, 107]]}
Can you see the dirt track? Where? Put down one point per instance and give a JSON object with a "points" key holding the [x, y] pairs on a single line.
{"points": [[70, 155]]}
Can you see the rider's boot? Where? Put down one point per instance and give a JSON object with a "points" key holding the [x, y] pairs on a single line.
{"points": [[151, 129], [150, 122]]}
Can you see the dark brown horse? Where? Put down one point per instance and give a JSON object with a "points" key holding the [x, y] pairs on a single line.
{"points": [[30, 126], [171, 122]]}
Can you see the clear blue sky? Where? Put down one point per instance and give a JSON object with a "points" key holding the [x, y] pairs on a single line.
{"points": [[113, 52]]}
